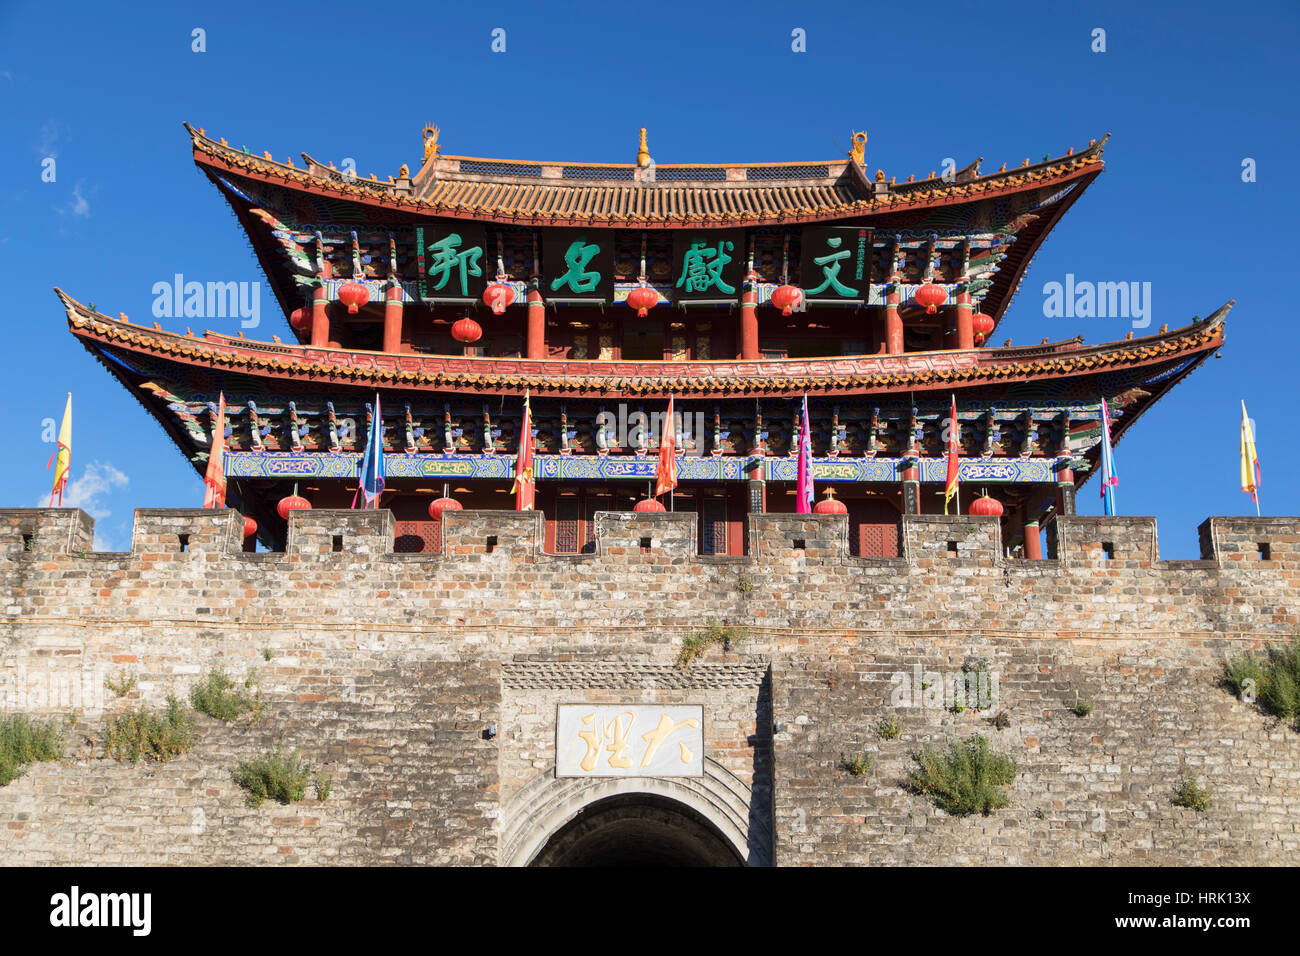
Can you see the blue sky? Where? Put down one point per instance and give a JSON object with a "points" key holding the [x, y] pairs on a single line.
{"points": [[1189, 91]]}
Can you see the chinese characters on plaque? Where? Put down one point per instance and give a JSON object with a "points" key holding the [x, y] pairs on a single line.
{"points": [[458, 260], [632, 740]]}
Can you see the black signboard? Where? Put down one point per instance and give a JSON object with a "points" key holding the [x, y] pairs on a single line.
{"points": [[578, 264], [835, 263], [452, 260], [708, 265]]}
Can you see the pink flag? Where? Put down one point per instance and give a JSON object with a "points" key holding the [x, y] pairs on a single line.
{"points": [[803, 494]]}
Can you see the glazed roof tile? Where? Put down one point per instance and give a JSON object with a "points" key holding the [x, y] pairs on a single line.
{"points": [[547, 193]]}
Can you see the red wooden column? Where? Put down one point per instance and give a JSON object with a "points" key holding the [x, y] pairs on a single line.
{"points": [[1065, 491], [320, 320], [749, 323], [535, 345], [893, 323], [965, 326], [393, 319], [1033, 542]]}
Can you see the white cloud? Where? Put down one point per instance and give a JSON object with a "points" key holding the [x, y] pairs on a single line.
{"points": [[80, 207], [49, 138], [98, 480]]}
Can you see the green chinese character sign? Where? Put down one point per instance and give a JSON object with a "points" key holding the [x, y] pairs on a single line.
{"points": [[708, 265], [835, 262], [578, 264], [450, 260]]}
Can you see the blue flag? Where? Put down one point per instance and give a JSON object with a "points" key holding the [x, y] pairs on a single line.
{"points": [[1109, 480], [373, 471]]}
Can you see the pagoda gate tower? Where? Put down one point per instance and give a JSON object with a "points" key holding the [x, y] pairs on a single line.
{"points": [[599, 291]]}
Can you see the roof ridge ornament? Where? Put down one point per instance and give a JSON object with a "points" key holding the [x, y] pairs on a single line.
{"points": [[431, 145], [643, 153], [859, 151]]}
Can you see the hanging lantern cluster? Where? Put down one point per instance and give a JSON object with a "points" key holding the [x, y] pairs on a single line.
{"points": [[649, 504], [786, 298], [466, 330], [292, 503], [930, 296], [643, 299], [300, 319], [354, 295], [498, 295], [439, 505]]}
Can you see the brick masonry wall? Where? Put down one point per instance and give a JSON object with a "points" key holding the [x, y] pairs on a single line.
{"points": [[386, 670]]}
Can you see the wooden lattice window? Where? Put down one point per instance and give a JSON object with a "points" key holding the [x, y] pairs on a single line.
{"points": [[873, 530], [568, 525], [713, 526], [417, 537]]}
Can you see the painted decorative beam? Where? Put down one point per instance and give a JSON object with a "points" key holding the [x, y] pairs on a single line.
{"points": [[346, 465]]}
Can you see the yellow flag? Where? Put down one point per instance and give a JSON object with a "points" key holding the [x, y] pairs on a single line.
{"points": [[1249, 458], [62, 457]]}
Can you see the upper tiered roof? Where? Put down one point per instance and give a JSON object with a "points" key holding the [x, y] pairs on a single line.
{"points": [[551, 193]]}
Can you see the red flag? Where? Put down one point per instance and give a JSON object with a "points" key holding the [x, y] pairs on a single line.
{"points": [[950, 487], [214, 480], [524, 487], [666, 473]]}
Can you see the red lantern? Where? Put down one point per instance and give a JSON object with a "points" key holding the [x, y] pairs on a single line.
{"points": [[931, 297], [439, 505], [292, 503], [642, 298], [498, 295], [829, 506], [250, 527], [649, 504], [300, 320], [986, 506], [982, 324], [354, 295], [466, 330], [786, 297]]}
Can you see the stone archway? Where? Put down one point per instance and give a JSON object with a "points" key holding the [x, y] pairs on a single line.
{"points": [[554, 819], [637, 829]]}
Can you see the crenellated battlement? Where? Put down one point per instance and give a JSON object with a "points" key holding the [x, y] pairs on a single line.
{"points": [[653, 538], [430, 684]]}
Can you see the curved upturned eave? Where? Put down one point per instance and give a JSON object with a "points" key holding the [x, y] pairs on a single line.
{"points": [[928, 194], [841, 375]]}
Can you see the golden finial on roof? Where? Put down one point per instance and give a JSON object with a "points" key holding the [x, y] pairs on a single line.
{"points": [[1165, 327], [123, 317], [1003, 169], [1025, 164], [893, 180], [431, 146], [880, 175], [643, 152], [858, 153], [404, 172], [266, 153]]}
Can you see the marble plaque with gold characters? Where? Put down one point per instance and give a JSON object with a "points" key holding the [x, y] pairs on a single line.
{"points": [[629, 740]]}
